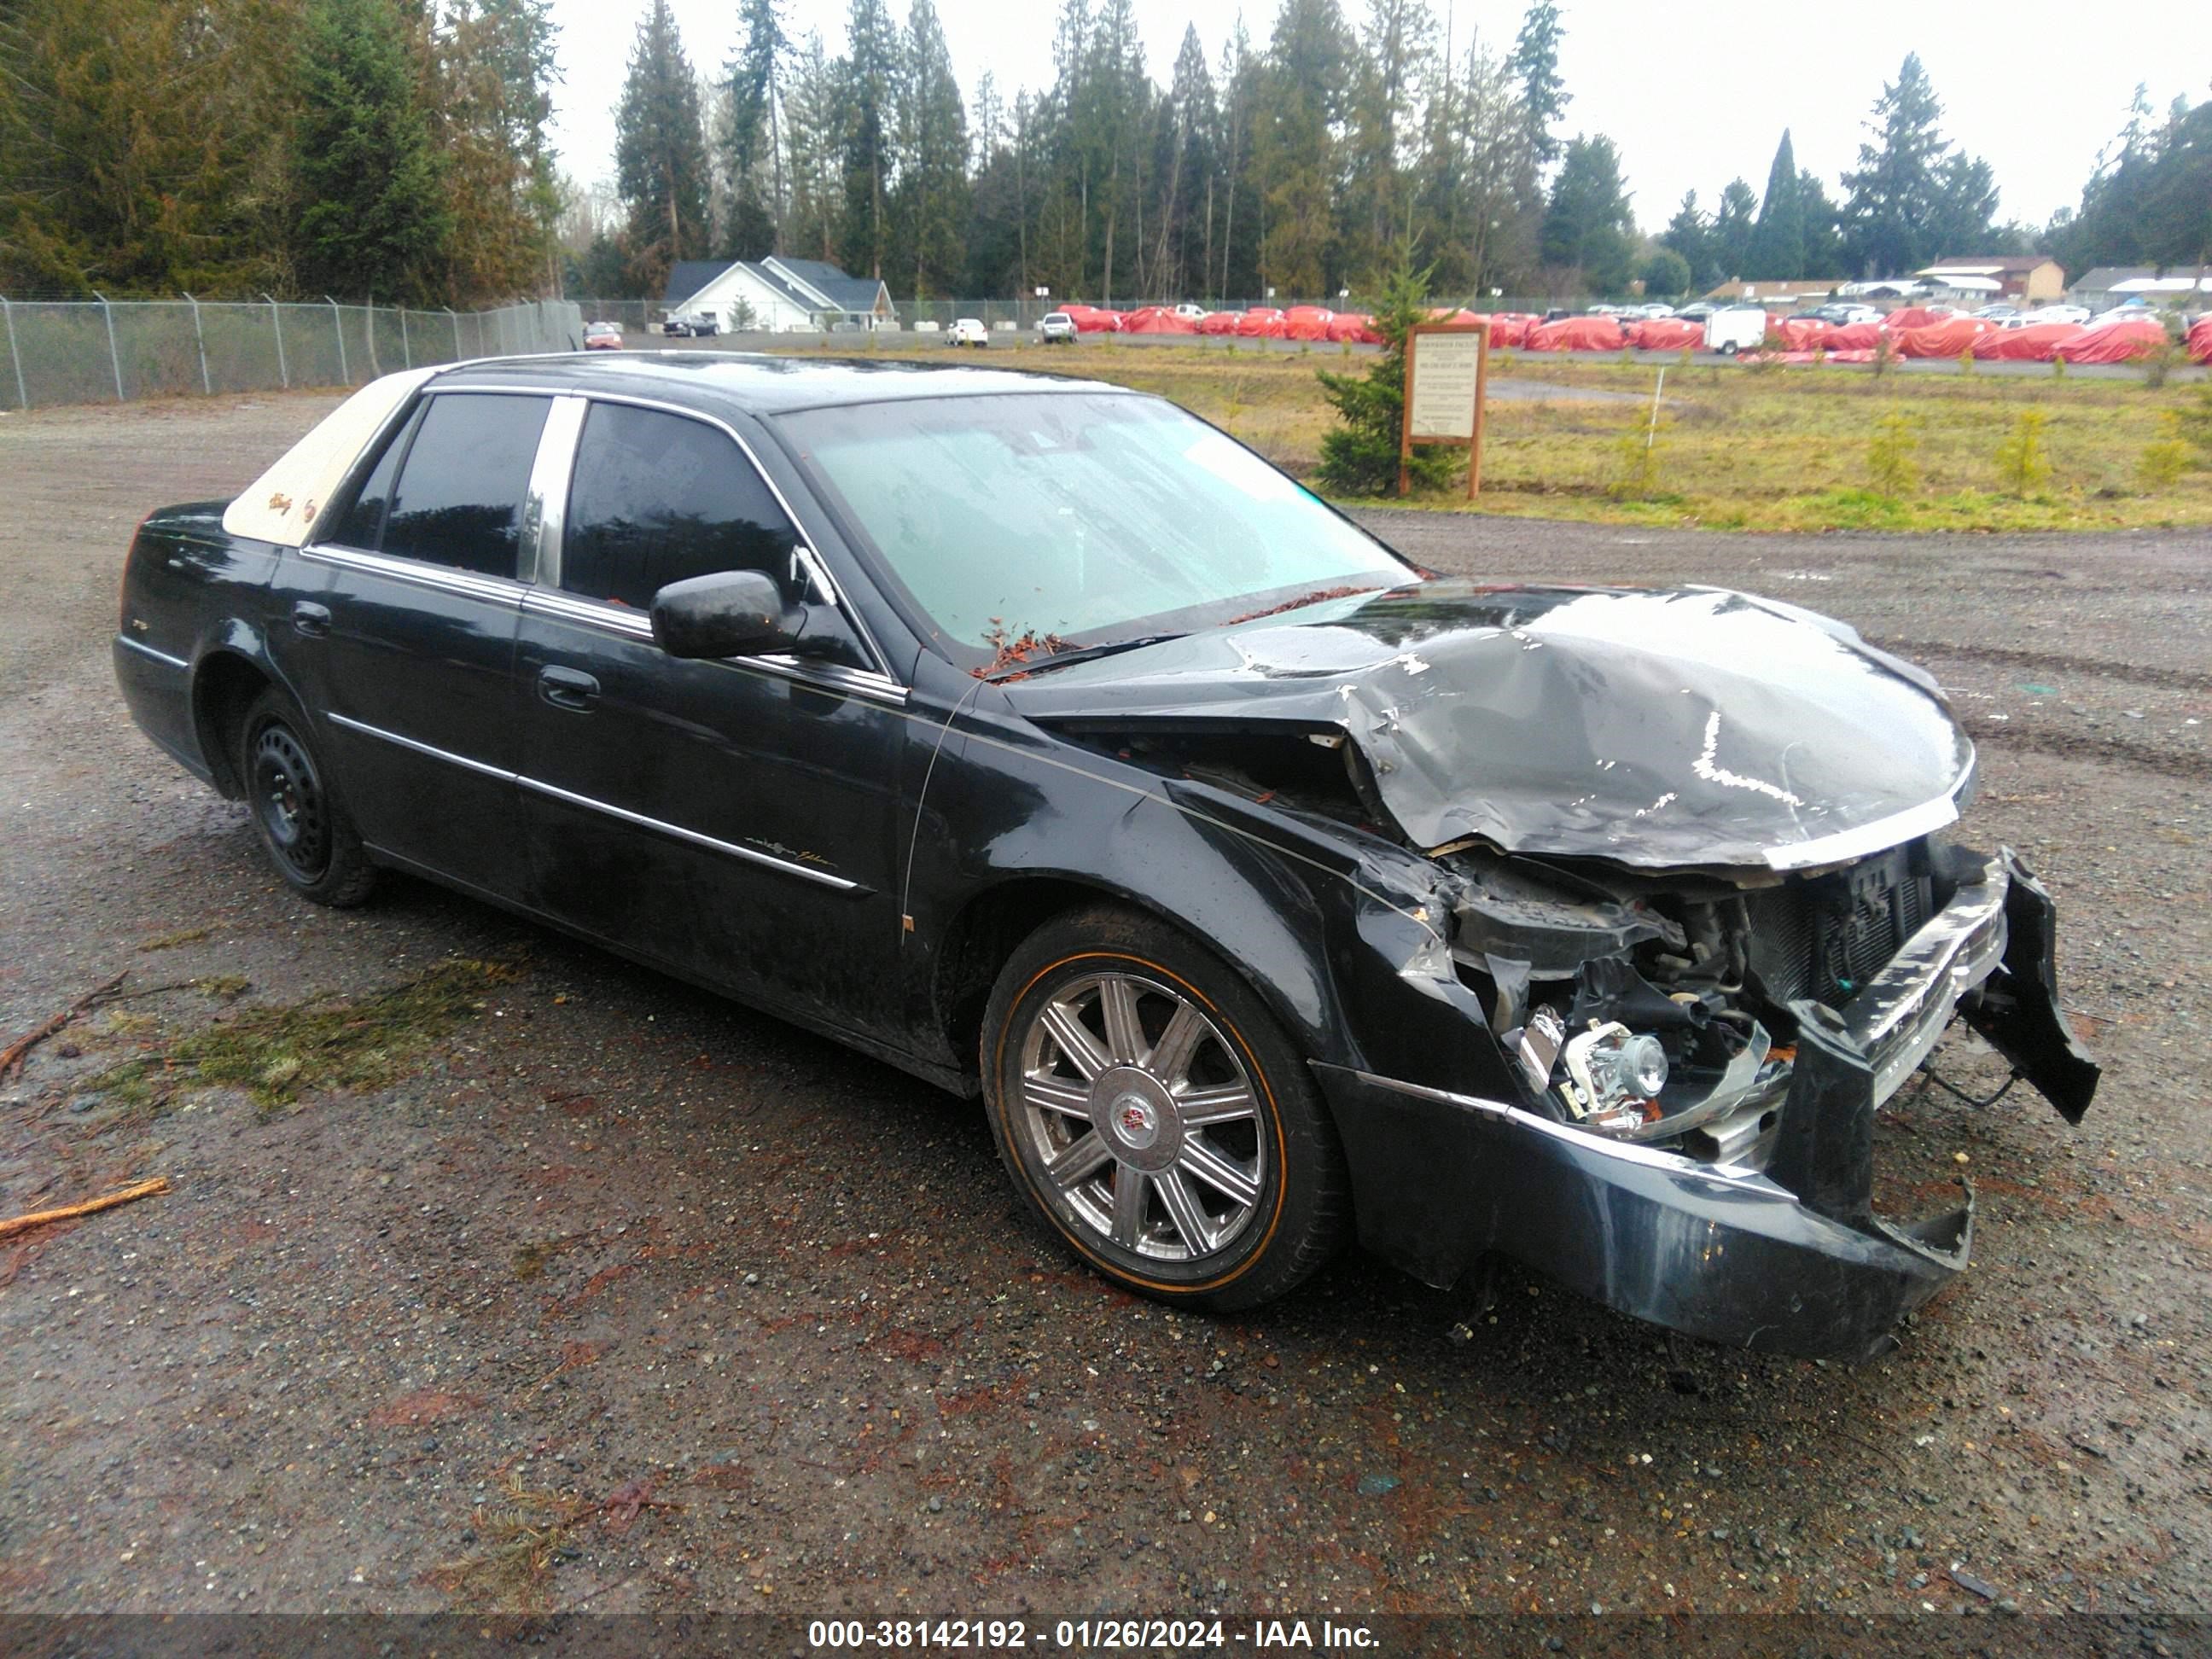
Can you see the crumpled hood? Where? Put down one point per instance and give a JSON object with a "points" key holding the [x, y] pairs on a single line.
{"points": [[1655, 728]]}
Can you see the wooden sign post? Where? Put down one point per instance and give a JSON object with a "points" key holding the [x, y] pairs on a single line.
{"points": [[1447, 379]]}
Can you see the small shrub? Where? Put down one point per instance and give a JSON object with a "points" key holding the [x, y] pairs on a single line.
{"points": [[2158, 363], [2022, 462], [1967, 360], [1688, 354], [2195, 423], [1637, 476], [2164, 459], [2057, 368], [1894, 454], [1885, 357]]}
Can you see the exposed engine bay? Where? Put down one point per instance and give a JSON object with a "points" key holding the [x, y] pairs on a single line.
{"points": [[1656, 1009]]}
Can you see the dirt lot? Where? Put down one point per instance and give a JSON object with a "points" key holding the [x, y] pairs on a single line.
{"points": [[602, 1293]]}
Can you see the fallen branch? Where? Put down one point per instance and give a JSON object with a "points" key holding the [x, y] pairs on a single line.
{"points": [[11, 1057], [22, 1224]]}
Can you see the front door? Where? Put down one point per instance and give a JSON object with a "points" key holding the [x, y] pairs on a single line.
{"points": [[734, 819], [408, 649]]}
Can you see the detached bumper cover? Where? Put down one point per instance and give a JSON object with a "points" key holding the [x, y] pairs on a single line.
{"points": [[1790, 1259]]}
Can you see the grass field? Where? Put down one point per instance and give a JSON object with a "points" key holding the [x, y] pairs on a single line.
{"points": [[1740, 448]]}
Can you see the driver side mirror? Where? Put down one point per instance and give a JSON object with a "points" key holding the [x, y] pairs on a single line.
{"points": [[741, 613]]}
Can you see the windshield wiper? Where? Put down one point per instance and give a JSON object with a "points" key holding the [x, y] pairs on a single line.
{"points": [[1027, 665]]}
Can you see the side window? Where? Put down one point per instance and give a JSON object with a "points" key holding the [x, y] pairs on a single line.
{"points": [[363, 523], [656, 498], [461, 487]]}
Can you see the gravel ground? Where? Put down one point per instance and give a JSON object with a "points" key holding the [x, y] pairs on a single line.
{"points": [[624, 1299]]}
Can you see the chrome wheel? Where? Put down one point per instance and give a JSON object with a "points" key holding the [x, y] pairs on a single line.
{"points": [[1143, 1117]]}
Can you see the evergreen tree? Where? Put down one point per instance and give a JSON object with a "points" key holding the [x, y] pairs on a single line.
{"points": [[866, 80], [1731, 234], [1665, 274], [931, 197], [1388, 70], [815, 121], [660, 153], [493, 69], [1690, 234], [2178, 206], [1961, 216], [1588, 228], [1360, 457], [144, 145], [1295, 146], [375, 219], [753, 146], [1481, 207], [1188, 164], [1824, 236], [1775, 252], [1534, 66], [1892, 195]]}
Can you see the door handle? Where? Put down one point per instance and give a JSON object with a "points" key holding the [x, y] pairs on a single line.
{"points": [[566, 687], [314, 620]]}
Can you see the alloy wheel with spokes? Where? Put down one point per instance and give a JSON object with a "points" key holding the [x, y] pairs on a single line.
{"points": [[1156, 1113], [1142, 1116]]}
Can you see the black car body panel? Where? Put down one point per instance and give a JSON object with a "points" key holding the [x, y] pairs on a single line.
{"points": [[1414, 821]]}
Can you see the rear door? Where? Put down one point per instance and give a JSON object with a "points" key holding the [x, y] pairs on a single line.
{"points": [[734, 819], [409, 647]]}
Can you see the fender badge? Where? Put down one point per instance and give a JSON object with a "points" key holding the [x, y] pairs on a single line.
{"points": [[280, 502]]}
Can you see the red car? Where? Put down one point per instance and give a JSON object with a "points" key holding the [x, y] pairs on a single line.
{"points": [[603, 337]]}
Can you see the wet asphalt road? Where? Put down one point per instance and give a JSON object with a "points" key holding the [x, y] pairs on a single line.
{"points": [[626, 1298]]}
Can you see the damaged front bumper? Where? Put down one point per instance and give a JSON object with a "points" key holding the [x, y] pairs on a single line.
{"points": [[1787, 1256]]}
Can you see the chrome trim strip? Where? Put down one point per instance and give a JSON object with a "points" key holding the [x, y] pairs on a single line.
{"points": [[1876, 837], [494, 589], [837, 883], [545, 503], [434, 753], [1899, 1014], [1734, 1178], [148, 651]]}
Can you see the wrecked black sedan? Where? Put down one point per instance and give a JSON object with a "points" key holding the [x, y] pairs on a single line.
{"points": [[1037, 737]]}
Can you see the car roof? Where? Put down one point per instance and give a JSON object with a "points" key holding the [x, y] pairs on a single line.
{"points": [[752, 382]]}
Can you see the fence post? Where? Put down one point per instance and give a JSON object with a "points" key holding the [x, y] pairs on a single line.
{"points": [[369, 326], [200, 340], [22, 397], [337, 327], [114, 360], [277, 317], [406, 351], [450, 312]]}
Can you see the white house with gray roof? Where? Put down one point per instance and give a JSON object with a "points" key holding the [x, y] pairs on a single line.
{"points": [[778, 295]]}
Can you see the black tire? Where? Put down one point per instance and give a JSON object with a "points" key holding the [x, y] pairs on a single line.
{"points": [[1227, 1207], [297, 811]]}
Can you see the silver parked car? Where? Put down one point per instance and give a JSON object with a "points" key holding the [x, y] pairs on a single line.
{"points": [[1056, 328]]}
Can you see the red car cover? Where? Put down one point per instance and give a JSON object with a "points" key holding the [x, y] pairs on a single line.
{"points": [[1854, 337], [1356, 326], [2115, 342], [1261, 323], [1806, 333], [1511, 328], [1945, 339], [2200, 341], [1577, 334], [1307, 322], [1218, 322], [1666, 334], [1157, 319], [1912, 317], [1089, 320], [2036, 342]]}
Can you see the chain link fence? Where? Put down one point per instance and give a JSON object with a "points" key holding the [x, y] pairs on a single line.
{"points": [[103, 351]]}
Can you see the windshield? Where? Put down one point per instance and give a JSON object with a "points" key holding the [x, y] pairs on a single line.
{"points": [[1089, 516]]}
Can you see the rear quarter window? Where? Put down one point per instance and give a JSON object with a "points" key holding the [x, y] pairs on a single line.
{"points": [[462, 483]]}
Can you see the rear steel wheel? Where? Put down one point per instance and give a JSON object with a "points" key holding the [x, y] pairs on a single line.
{"points": [[297, 809]]}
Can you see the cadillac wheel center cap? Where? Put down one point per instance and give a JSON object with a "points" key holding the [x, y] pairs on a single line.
{"points": [[1136, 1121]]}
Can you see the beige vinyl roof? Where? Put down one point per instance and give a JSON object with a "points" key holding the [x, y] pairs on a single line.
{"points": [[280, 505]]}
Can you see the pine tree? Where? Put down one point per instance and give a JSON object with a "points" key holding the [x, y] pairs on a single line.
{"points": [[660, 153], [1388, 67], [1892, 193], [1731, 233], [866, 82], [1360, 457], [1961, 216], [753, 148], [1690, 234], [1588, 228], [931, 198], [1824, 236], [814, 120], [492, 68], [1295, 145], [375, 218], [1534, 66], [1776, 252]]}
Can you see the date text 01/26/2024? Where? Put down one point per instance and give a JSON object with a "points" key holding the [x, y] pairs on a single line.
{"points": [[1085, 1635]]}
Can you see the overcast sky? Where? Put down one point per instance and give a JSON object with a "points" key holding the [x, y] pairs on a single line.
{"points": [[1691, 102]]}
